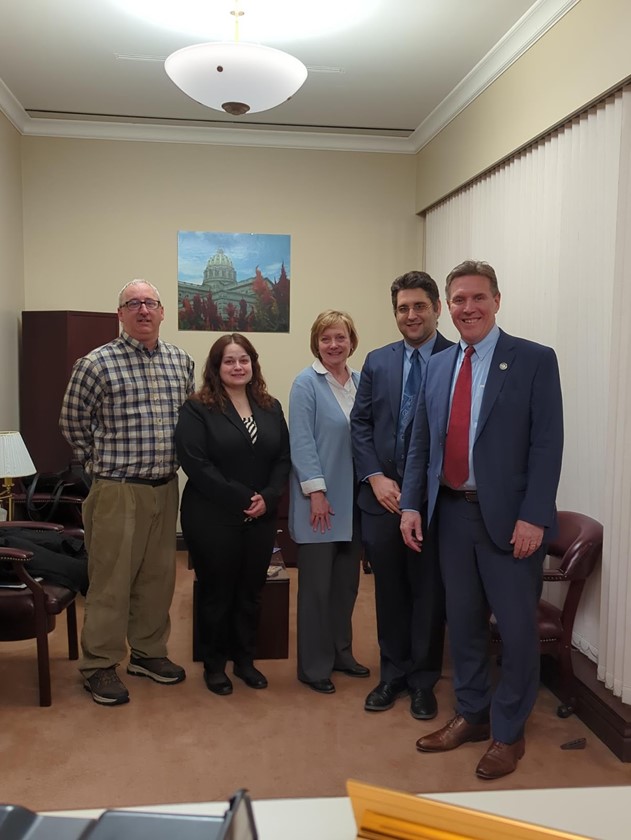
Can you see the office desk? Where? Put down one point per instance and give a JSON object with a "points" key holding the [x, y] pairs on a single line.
{"points": [[600, 813]]}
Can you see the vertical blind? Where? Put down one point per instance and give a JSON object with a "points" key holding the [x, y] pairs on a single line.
{"points": [[555, 222]]}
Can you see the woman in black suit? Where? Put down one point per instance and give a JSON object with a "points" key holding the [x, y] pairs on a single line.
{"points": [[233, 444]]}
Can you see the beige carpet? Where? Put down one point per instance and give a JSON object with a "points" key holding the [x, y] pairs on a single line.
{"points": [[181, 744]]}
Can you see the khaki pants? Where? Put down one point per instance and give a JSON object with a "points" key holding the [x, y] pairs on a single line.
{"points": [[130, 538]]}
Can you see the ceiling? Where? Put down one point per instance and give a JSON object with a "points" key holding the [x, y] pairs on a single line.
{"points": [[386, 79]]}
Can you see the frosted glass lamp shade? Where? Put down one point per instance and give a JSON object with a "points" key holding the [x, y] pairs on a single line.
{"points": [[15, 461], [235, 77]]}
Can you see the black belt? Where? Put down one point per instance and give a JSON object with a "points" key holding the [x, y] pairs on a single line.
{"points": [[467, 495], [150, 482]]}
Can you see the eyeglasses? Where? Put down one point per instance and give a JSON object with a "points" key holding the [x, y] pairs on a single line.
{"points": [[134, 304], [417, 307]]}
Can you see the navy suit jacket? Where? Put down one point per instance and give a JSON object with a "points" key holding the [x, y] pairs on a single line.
{"points": [[518, 446], [375, 417]]}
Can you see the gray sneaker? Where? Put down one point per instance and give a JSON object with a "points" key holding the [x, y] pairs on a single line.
{"points": [[160, 669], [106, 688]]}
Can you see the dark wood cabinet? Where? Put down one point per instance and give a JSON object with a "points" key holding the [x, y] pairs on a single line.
{"points": [[51, 343]]}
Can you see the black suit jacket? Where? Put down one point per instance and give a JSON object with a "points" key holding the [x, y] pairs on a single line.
{"points": [[375, 417], [224, 468]]}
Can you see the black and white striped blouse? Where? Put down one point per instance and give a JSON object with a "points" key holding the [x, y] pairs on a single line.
{"points": [[250, 425]]}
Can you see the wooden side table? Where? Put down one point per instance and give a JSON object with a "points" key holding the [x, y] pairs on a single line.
{"points": [[272, 640]]}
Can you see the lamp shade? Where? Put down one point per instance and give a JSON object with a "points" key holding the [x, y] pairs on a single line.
{"points": [[235, 77], [15, 461]]}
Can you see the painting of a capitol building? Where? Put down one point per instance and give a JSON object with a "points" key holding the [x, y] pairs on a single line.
{"points": [[222, 302]]}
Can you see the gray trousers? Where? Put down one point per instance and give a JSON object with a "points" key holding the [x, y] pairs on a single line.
{"points": [[328, 579]]}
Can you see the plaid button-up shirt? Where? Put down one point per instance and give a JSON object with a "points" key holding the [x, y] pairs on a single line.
{"points": [[121, 406]]}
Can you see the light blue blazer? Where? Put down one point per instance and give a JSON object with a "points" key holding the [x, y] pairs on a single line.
{"points": [[320, 440]]}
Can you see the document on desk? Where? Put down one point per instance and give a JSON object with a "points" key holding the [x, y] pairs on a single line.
{"points": [[382, 814]]}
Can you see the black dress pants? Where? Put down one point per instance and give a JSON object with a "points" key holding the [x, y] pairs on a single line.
{"points": [[230, 561], [410, 602]]}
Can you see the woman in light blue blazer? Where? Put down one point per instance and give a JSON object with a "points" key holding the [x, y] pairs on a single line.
{"points": [[322, 512]]}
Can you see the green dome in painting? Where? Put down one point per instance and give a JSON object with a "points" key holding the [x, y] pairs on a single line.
{"points": [[220, 271], [220, 258]]}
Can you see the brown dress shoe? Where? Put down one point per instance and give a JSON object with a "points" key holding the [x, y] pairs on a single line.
{"points": [[456, 732], [500, 759]]}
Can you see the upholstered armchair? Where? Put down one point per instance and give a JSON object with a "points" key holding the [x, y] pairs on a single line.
{"points": [[574, 555], [29, 607]]}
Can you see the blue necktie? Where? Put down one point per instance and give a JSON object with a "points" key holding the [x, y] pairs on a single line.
{"points": [[408, 405]]}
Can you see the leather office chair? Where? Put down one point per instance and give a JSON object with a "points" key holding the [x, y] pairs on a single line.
{"points": [[31, 612], [575, 552], [64, 509]]}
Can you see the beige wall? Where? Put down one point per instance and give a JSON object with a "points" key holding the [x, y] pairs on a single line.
{"points": [[98, 213], [583, 56], [11, 271]]}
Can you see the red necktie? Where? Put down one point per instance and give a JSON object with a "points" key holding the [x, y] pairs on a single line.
{"points": [[456, 461]]}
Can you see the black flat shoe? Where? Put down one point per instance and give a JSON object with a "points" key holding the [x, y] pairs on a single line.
{"points": [[383, 697], [250, 675], [423, 704], [217, 682], [323, 686], [355, 670]]}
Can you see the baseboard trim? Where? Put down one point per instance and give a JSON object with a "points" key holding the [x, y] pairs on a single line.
{"points": [[607, 716]]}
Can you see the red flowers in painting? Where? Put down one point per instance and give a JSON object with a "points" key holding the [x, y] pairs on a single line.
{"points": [[269, 313]]}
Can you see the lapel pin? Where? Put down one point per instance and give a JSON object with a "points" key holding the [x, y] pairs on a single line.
{"points": [[503, 366]]}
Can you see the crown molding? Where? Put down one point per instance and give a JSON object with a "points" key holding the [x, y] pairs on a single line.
{"points": [[532, 26], [527, 31], [199, 135], [12, 109]]}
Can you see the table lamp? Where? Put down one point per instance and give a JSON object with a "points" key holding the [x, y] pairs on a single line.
{"points": [[15, 462]]}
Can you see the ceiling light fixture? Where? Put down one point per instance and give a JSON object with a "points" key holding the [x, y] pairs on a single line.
{"points": [[234, 77]]}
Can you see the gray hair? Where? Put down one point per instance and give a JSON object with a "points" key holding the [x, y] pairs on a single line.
{"points": [[137, 282]]}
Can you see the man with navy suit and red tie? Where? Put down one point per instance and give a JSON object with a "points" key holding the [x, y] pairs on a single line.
{"points": [[409, 594], [485, 451]]}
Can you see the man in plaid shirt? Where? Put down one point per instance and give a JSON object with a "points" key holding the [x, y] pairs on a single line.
{"points": [[119, 414]]}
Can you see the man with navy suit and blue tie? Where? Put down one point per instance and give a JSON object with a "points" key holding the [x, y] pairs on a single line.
{"points": [[409, 594], [485, 451]]}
